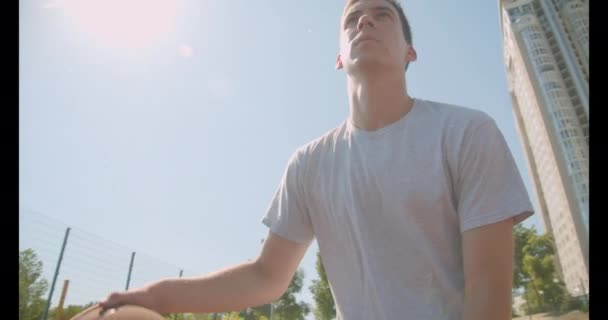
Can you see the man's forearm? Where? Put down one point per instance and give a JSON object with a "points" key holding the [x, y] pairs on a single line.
{"points": [[232, 289], [486, 303]]}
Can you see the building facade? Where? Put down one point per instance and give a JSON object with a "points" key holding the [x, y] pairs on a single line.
{"points": [[546, 52]]}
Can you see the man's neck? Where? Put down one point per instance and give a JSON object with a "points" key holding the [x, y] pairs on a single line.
{"points": [[376, 102]]}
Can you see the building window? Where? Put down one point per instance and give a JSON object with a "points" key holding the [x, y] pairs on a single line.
{"points": [[546, 67]]}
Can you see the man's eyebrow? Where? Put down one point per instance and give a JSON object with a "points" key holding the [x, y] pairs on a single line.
{"points": [[376, 8], [350, 14], [383, 8]]}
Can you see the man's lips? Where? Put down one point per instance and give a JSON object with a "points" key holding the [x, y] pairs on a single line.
{"points": [[363, 38]]}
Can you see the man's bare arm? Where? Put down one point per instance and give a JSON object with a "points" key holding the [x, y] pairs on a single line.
{"points": [[488, 268], [232, 289]]}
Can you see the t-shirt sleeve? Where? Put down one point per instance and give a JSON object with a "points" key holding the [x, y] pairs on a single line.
{"points": [[489, 186], [287, 215]]}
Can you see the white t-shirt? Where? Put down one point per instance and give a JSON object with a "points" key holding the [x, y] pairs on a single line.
{"points": [[388, 208]]}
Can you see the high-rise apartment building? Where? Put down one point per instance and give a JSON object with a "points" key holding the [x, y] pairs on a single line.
{"points": [[546, 52]]}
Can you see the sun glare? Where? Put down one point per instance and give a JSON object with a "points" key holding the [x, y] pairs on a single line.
{"points": [[122, 23]]}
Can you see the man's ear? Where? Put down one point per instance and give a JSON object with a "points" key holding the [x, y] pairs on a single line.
{"points": [[339, 62], [411, 55]]}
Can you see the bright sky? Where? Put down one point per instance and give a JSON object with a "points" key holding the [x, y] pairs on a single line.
{"points": [[165, 125]]}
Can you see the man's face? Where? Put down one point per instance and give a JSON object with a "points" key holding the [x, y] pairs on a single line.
{"points": [[371, 36]]}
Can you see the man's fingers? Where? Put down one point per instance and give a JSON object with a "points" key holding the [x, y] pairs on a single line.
{"points": [[114, 300]]}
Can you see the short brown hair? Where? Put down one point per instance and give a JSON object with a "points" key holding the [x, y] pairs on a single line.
{"points": [[405, 25]]}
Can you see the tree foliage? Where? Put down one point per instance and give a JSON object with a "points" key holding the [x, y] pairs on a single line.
{"points": [[287, 307], [535, 271], [324, 308], [32, 286]]}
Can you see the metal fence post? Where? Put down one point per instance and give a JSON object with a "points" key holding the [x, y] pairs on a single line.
{"points": [[271, 310], [130, 270], [48, 303]]}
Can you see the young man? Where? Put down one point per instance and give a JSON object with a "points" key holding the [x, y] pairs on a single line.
{"points": [[412, 202]]}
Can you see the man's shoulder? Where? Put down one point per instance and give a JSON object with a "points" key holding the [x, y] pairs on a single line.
{"points": [[322, 142], [458, 112], [454, 117]]}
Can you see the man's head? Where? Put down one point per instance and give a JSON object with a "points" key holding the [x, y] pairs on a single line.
{"points": [[376, 34]]}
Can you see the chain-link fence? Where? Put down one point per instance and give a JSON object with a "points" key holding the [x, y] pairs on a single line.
{"points": [[81, 268]]}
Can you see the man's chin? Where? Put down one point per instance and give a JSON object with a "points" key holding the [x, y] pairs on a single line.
{"points": [[369, 63]]}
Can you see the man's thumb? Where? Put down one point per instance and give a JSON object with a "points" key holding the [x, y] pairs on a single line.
{"points": [[114, 300]]}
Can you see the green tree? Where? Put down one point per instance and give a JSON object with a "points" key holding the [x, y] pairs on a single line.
{"points": [[522, 236], [535, 271], [32, 286], [325, 308], [260, 312], [287, 307]]}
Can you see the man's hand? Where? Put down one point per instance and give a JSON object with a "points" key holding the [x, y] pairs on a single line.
{"points": [[138, 297]]}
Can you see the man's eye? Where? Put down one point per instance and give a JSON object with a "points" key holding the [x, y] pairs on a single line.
{"points": [[382, 15]]}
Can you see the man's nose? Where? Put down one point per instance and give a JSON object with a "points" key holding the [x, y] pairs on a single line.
{"points": [[365, 20]]}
